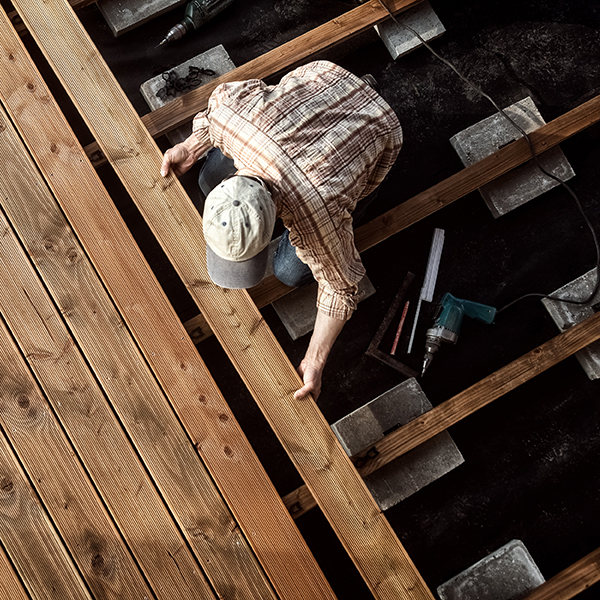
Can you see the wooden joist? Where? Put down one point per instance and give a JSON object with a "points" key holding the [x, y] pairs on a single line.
{"points": [[572, 581], [268, 374], [286, 56], [184, 377], [462, 405], [437, 197]]}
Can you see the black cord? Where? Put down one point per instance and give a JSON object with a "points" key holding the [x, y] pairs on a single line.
{"points": [[536, 160]]}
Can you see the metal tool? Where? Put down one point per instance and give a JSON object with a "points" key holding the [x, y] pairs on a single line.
{"points": [[447, 322], [433, 264], [197, 12]]}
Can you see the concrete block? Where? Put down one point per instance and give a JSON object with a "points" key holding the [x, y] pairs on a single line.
{"points": [[409, 473], [124, 15], [216, 59], [506, 574], [298, 310], [399, 40], [523, 183], [567, 315]]}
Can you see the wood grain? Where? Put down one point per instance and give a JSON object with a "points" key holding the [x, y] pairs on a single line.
{"points": [[302, 429], [20, 26], [62, 372], [11, 587], [64, 489], [135, 396], [209, 422], [570, 582], [29, 537]]}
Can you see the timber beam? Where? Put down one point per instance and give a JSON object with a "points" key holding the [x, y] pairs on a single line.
{"points": [[572, 581]]}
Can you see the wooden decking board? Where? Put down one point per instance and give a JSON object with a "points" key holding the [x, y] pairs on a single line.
{"points": [[305, 434], [63, 487], [169, 456], [572, 581], [22, 30], [28, 536], [437, 197], [455, 409], [11, 587], [69, 386], [210, 423]]}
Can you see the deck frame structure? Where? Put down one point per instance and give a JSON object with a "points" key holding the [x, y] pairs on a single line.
{"points": [[173, 361]]}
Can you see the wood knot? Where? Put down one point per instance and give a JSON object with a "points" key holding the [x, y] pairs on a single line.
{"points": [[11, 57], [223, 418], [50, 245], [30, 86], [228, 451], [54, 148], [6, 485], [2, 127], [23, 401], [202, 399], [72, 255]]}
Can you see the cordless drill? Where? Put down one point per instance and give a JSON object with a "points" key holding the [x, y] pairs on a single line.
{"points": [[197, 12], [447, 322]]}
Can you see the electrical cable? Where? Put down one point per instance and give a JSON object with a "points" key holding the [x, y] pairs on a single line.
{"points": [[535, 158]]}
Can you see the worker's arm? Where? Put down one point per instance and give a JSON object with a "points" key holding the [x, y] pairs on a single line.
{"points": [[181, 157], [311, 368]]}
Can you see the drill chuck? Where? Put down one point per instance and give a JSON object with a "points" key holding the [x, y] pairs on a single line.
{"points": [[197, 12]]}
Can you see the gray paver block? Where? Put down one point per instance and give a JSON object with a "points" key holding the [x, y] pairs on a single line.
{"points": [[400, 41], [298, 309], [124, 15], [506, 574], [216, 59], [523, 183], [567, 315], [409, 473]]}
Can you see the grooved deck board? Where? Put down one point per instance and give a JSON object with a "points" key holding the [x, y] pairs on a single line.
{"points": [[28, 536], [153, 428], [65, 378], [62, 485], [209, 422], [304, 433], [11, 587]]}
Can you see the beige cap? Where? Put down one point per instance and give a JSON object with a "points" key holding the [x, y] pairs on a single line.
{"points": [[239, 217]]}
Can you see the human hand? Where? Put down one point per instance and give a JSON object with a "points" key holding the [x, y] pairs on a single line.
{"points": [[177, 159], [311, 375]]}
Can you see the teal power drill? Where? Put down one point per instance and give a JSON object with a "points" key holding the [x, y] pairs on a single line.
{"points": [[447, 322], [197, 12]]}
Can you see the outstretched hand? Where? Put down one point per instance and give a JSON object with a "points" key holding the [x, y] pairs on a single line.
{"points": [[177, 159], [311, 375]]}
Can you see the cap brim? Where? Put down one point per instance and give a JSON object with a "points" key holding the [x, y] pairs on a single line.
{"points": [[237, 274]]}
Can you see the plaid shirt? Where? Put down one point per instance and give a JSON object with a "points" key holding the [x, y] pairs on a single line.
{"points": [[321, 140]]}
